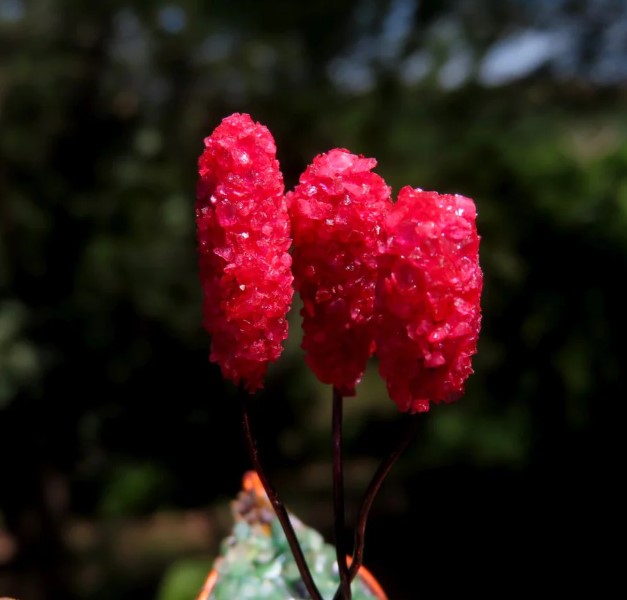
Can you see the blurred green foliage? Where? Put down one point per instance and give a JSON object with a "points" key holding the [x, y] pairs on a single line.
{"points": [[184, 579], [133, 489], [108, 406]]}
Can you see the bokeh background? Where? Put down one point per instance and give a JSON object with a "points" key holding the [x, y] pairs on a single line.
{"points": [[120, 445]]}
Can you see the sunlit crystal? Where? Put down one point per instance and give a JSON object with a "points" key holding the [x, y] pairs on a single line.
{"points": [[243, 240], [428, 298], [336, 212]]}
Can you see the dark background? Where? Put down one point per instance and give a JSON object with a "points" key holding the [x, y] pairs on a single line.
{"points": [[120, 444]]}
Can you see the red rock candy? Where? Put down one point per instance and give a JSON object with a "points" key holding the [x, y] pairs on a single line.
{"points": [[243, 236], [337, 211], [428, 294]]}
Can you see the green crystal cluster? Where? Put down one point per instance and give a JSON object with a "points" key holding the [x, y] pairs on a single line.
{"points": [[256, 564]]}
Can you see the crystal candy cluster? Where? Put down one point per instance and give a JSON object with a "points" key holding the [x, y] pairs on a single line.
{"points": [[427, 301], [403, 278], [244, 237], [336, 214]]}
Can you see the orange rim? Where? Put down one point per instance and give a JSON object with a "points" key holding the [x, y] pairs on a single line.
{"points": [[252, 483], [368, 578], [210, 583]]}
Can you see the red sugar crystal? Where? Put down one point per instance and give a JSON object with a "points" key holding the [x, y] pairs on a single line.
{"points": [[428, 294], [337, 212], [243, 237]]}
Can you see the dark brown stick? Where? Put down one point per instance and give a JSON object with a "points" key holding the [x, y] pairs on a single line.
{"points": [[339, 518], [373, 488], [279, 507]]}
